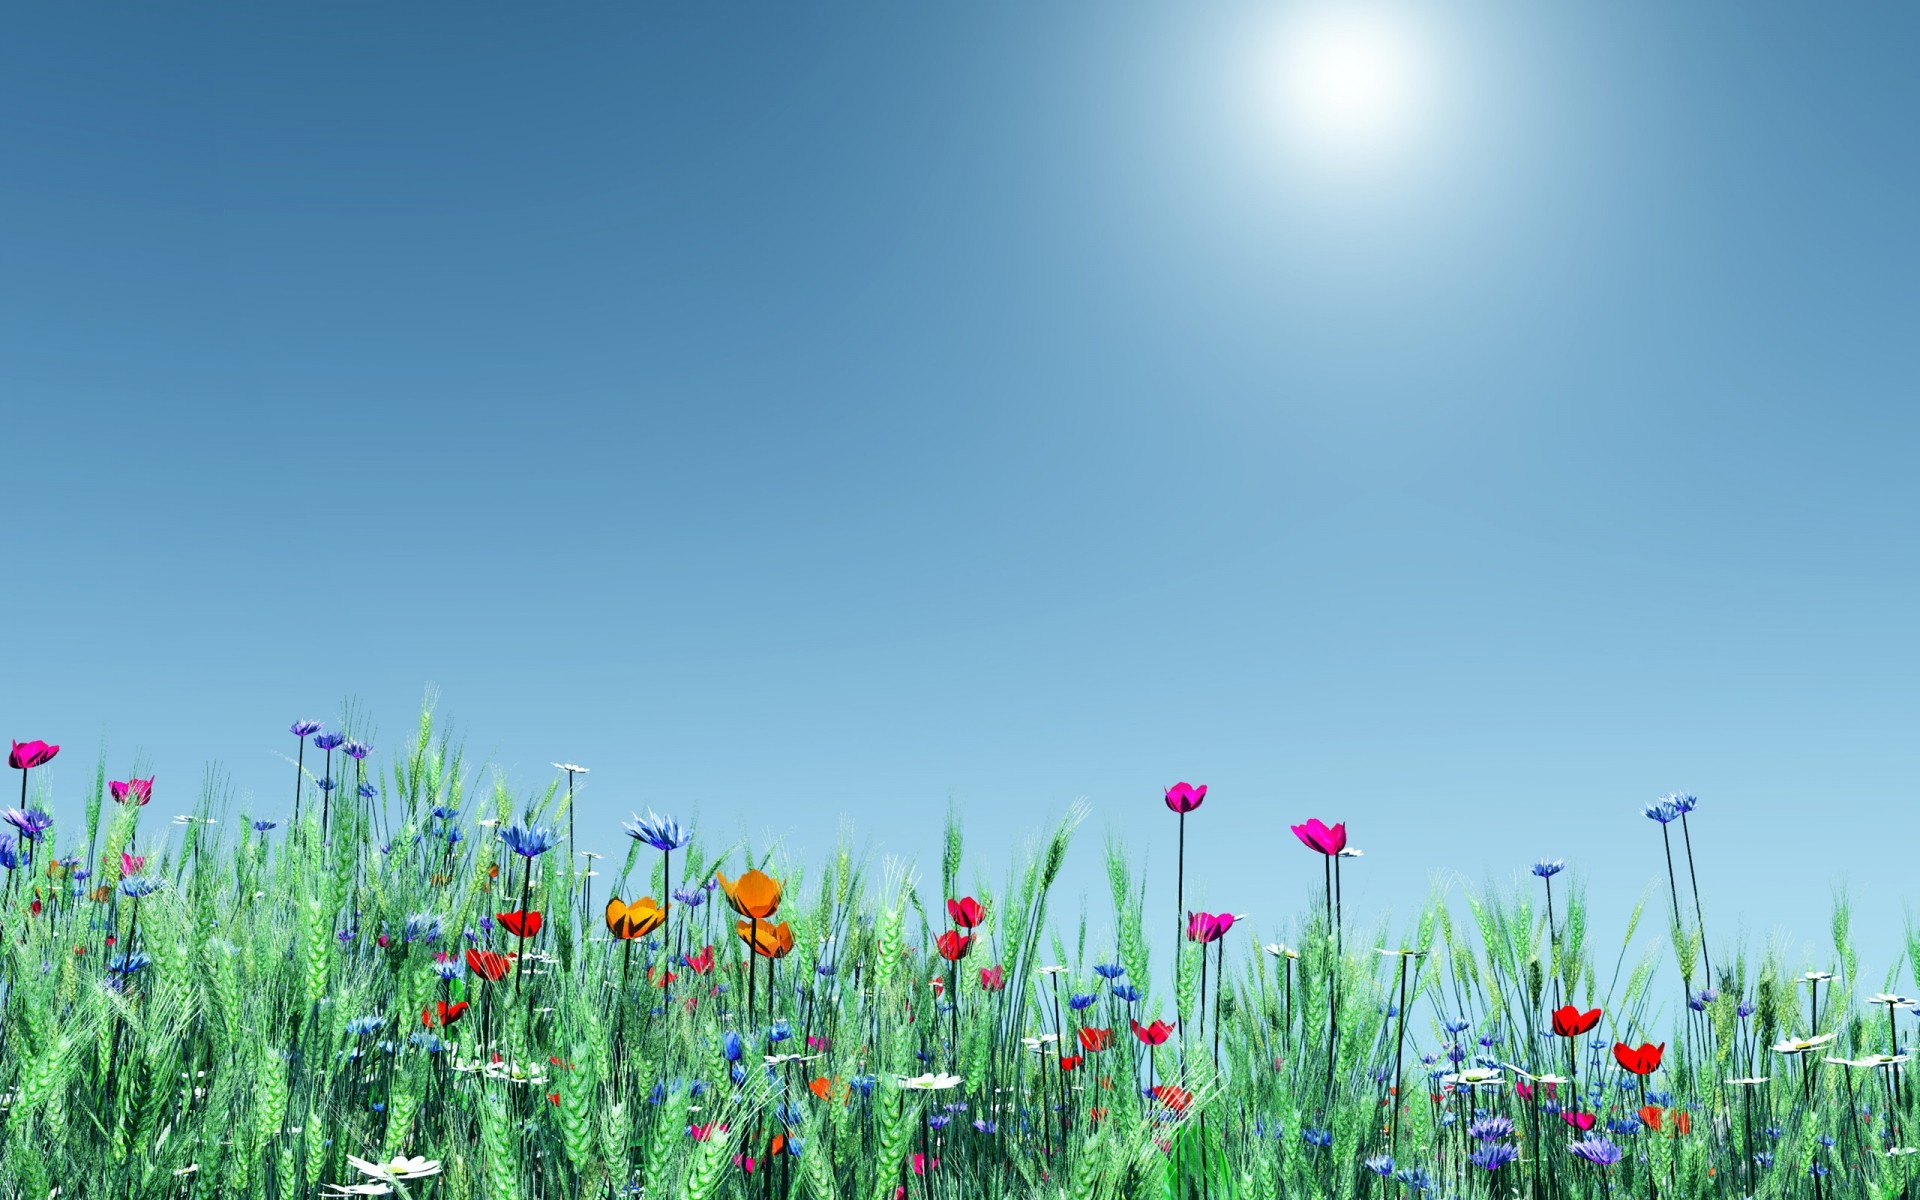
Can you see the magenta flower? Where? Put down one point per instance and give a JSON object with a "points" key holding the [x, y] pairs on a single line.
{"points": [[28, 755], [1185, 797], [134, 791], [1207, 928], [1315, 835]]}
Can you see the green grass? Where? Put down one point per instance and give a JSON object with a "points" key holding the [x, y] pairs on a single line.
{"points": [[226, 1066]]}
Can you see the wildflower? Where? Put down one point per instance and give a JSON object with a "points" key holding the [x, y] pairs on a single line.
{"points": [[27, 755], [132, 864], [397, 1168], [1800, 1045], [421, 927], [1320, 1138], [691, 897], [32, 823], [1127, 992], [700, 963], [731, 1046], [1487, 1129], [953, 945], [488, 964], [1415, 1178], [1643, 1061], [1095, 1040], [1154, 1034], [1547, 868], [1109, 971], [1315, 835], [1207, 928], [1379, 1164], [329, 741], [1080, 1001], [1571, 1022], [133, 791], [1662, 811], [662, 833], [754, 894], [981, 1125], [1069, 1062], [442, 1014], [1596, 1150], [993, 979], [264, 826], [304, 729], [765, 938], [1682, 802], [1493, 1156], [1183, 798], [633, 921], [136, 888], [129, 964], [1280, 950], [933, 1081], [521, 924], [528, 842], [361, 1026], [368, 791], [966, 912], [1176, 1099]]}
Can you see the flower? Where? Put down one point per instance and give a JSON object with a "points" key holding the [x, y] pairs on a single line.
{"points": [[1681, 801], [1207, 928], [488, 964], [765, 938], [933, 1081], [1315, 835], [1280, 950], [966, 912], [1663, 812], [398, 1167], [1800, 1045], [329, 741], [31, 822], [1547, 868], [521, 924], [1596, 1150], [1185, 797], [1109, 971], [357, 751], [136, 791], [662, 833], [1491, 1128], [28, 755], [1174, 1098], [1379, 1164], [993, 979], [442, 1014], [528, 841], [636, 920], [1095, 1040], [1493, 1156], [754, 894], [570, 768], [1152, 1035], [1571, 1022], [953, 945], [304, 729], [1643, 1061]]}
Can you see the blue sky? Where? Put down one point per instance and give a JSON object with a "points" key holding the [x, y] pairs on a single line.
{"points": [[815, 410]]}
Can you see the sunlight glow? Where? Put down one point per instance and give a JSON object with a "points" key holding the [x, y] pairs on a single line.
{"points": [[1353, 81]]}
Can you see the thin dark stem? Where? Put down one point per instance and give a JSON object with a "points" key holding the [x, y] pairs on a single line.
{"points": [[1699, 918]]}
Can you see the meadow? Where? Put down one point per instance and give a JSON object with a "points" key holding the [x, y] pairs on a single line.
{"points": [[408, 982]]}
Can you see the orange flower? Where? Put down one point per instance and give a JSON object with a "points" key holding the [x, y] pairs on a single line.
{"points": [[1174, 1098], [636, 920], [765, 938], [1682, 1122], [822, 1087], [1651, 1114], [753, 894]]}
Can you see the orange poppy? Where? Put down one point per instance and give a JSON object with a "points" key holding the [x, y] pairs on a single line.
{"points": [[1651, 1114], [635, 920], [765, 938], [822, 1087], [752, 895]]}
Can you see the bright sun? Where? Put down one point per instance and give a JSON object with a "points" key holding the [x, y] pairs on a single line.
{"points": [[1351, 80]]}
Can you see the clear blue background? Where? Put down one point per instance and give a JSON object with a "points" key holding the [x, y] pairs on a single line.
{"points": [[805, 410]]}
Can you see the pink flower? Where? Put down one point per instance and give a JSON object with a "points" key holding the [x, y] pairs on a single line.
{"points": [[993, 978], [1207, 928], [1314, 835], [139, 791], [132, 864], [27, 755], [1185, 797]]}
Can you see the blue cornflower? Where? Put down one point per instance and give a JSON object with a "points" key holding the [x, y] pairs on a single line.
{"points": [[361, 1026], [421, 927], [9, 851], [691, 897], [529, 841], [304, 729], [1663, 812], [264, 826], [1682, 802], [780, 1032], [1415, 1178], [1745, 1009], [1078, 1002], [1765, 1159], [1109, 971], [136, 886], [1127, 992], [1547, 868], [447, 967], [454, 836], [329, 741], [31, 822], [1493, 1156], [982, 1125], [662, 833], [355, 750], [368, 791], [1487, 1129], [1455, 1026], [939, 1121], [326, 785], [862, 1084], [1379, 1164], [1596, 1150], [730, 1044], [442, 812], [127, 964], [1317, 1137], [1625, 1127], [738, 1073]]}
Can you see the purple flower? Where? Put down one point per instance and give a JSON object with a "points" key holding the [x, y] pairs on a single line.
{"points": [[1493, 1156], [354, 750], [304, 729], [1596, 1150], [329, 741], [31, 822]]}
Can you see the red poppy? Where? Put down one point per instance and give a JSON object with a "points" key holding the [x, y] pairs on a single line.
{"points": [[488, 964], [993, 979], [1643, 1061], [1651, 1114], [1682, 1122], [701, 1133], [520, 924], [1174, 1098], [702, 962], [653, 977], [442, 1014], [1071, 1061], [1571, 1022], [1097, 1114], [954, 945], [1152, 1035], [553, 1097], [966, 912], [1095, 1039]]}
